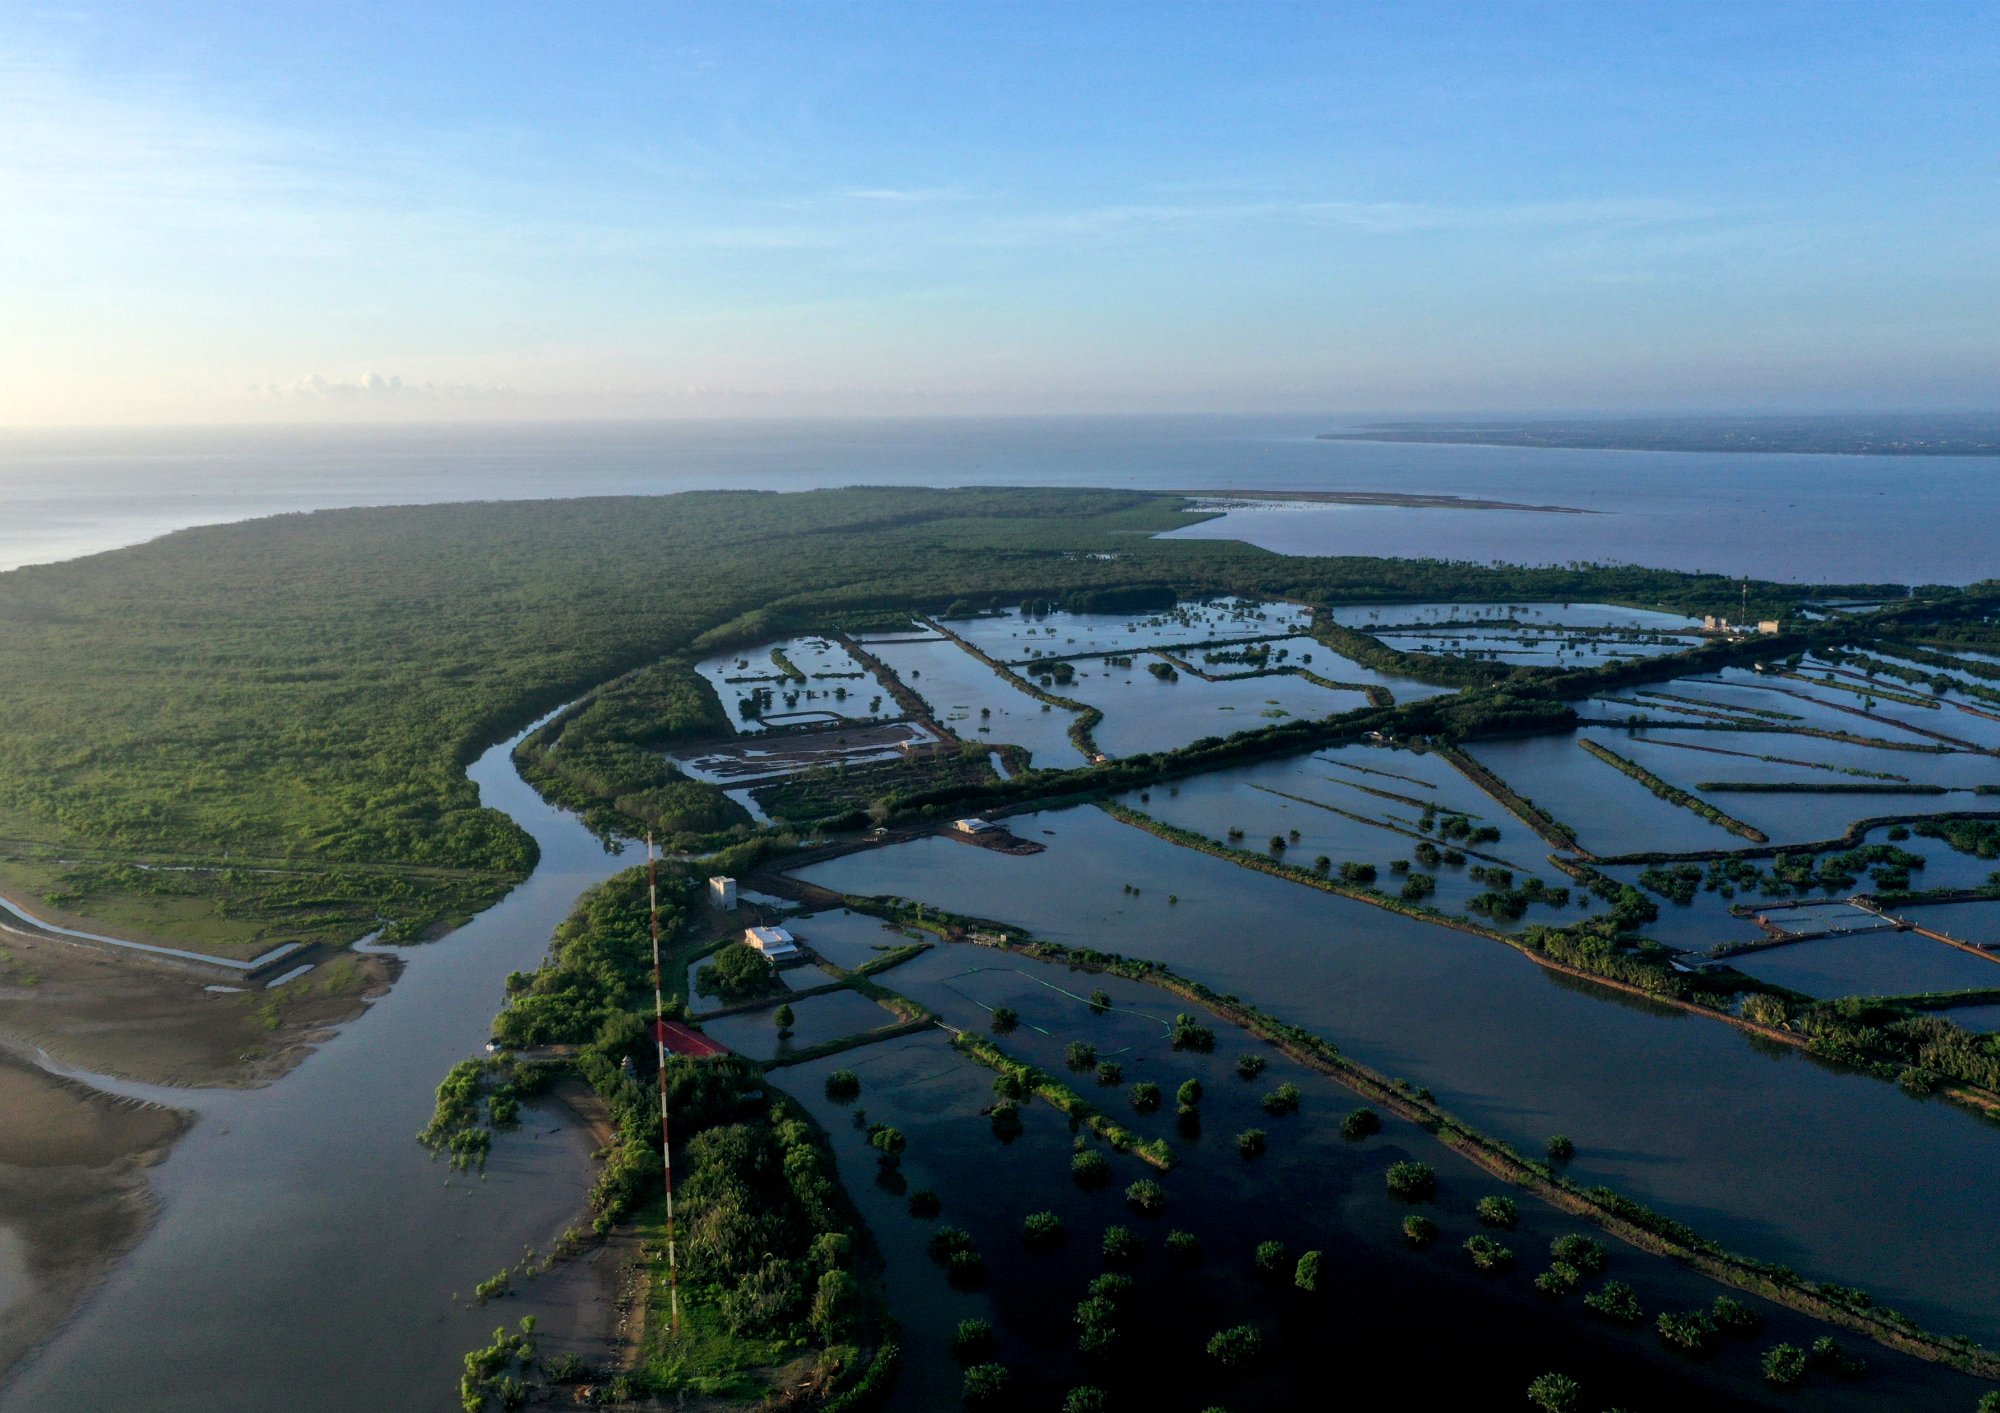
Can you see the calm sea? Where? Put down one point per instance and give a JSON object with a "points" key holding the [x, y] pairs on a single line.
{"points": [[1803, 518]]}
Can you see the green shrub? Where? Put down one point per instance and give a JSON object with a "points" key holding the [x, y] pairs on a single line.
{"points": [[1084, 1398], [1411, 1181], [925, 1203], [1561, 1149], [1270, 1257], [1487, 1254], [1250, 1066], [1828, 1355], [1183, 1249], [1419, 1232], [1282, 1100], [1558, 1280], [1583, 1252], [986, 1386], [1360, 1124], [1146, 1197], [1616, 1302], [1691, 1330], [1555, 1393], [1121, 1246], [1306, 1274], [1080, 1055], [1498, 1212], [1145, 1096], [1233, 1348], [945, 1242], [890, 1143], [843, 1086], [1100, 1001], [1733, 1317], [783, 1018], [1189, 1034], [1110, 1073], [1250, 1142], [974, 1342], [1042, 1231], [1004, 1019], [1091, 1169], [1784, 1366], [965, 1268], [1189, 1094]]}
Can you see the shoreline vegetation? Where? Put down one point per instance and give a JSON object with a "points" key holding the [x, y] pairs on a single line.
{"points": [[1672, 794]]}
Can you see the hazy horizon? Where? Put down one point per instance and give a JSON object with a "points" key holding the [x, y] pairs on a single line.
{"points": [[224, 215]]}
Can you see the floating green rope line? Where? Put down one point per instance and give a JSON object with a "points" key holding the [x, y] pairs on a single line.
{"points": [[1165, 1028]]}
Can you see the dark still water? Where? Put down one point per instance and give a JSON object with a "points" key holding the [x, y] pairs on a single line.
{"points": [[1804, 518], [308, 1251], [1762, 1150]]}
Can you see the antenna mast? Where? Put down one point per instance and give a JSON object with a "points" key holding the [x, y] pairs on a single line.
{"points": [[660, 1045]]}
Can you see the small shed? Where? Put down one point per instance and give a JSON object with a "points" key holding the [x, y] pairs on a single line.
{"points": [[974, 826], [774, 942], [722, 893]]}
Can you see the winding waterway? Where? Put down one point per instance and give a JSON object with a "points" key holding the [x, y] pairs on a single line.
{"points": [[309, 1255]]}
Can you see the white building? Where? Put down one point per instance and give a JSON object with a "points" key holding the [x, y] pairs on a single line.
{"points": [[774, 942], [722, 893], [974, 826]]}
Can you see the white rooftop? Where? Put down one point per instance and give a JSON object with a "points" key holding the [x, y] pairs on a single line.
{"points": [[772, 941]]}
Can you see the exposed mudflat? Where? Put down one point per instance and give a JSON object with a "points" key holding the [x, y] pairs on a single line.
{"points": [[73, 1192]]}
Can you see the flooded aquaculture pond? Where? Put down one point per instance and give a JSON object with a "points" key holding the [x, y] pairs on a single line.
{"points": [[1311, 1190], [970, 698], [285, 1202], [1757, 1147], [1871, 964]]}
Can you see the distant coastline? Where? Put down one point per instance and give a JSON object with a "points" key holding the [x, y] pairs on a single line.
{"points": [[1819, 436], [1223, 500]]}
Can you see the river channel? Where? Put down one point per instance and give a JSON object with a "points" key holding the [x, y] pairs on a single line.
{"points": [[309, 1255]]}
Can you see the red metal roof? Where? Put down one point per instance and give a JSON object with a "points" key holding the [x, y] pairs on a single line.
{"points": [[682, 1040]]}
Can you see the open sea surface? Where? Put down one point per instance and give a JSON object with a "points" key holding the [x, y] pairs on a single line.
{"points": [[1815, 519]]}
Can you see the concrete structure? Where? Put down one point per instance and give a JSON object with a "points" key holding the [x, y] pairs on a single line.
{"points": [[774, 942], [1710, 623], [974, 826], [722, 893]]}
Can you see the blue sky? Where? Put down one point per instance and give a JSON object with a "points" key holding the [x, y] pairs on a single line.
{"points": [[245, 211]]}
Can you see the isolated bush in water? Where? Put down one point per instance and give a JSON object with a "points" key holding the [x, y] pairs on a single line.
{"points": [[1419, 1232], [986, 1386], [1412, 1181], [1691, 1330], [843, 1086], [1558, 1280], [1583, 1252], [1084, 1398], [1091, 1169], [1146, 1197], [947, 1242], [974, 1342], [1784, 1366], [1250, 1066], [1250, 1142], [1270, 1257], [1498, 1212], [1183, 1249], [1360, 1124], [1733, 1317], [1487, 1254], [1189, 1094], [1042, 1231], [1555, 1393], [1232, 1348], [1561, 1150], [1080, 1055], [1282, 1100], [1121, 1246], [925, 1203], [1306, 1274], [1616, 1302], [1146, 1096], [1110, 1073], [1004, 1019]]}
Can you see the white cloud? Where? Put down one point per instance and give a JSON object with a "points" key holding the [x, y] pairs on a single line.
{"points": [[377, 389]]}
